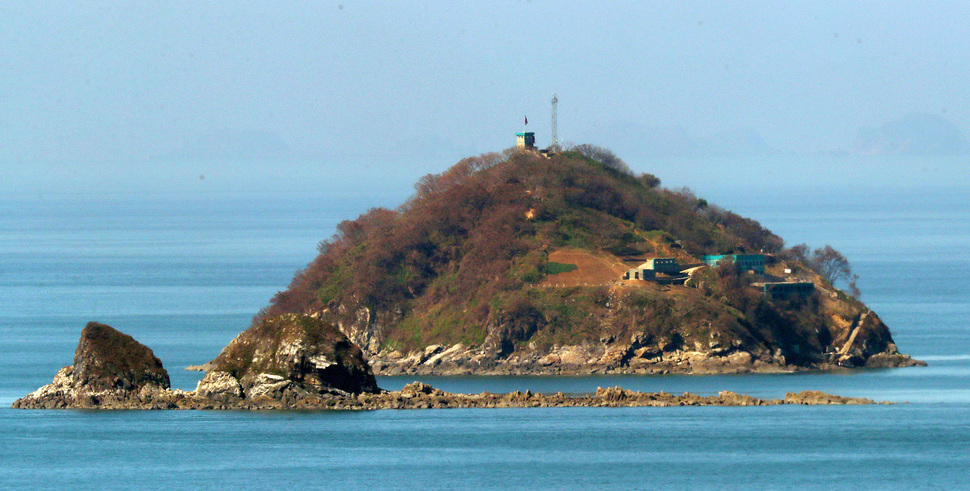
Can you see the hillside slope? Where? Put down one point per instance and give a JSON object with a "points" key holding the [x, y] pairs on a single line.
{"points": [[513, 263]]}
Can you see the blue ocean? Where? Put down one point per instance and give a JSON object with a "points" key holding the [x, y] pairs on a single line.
{"points": [[184, 271]]}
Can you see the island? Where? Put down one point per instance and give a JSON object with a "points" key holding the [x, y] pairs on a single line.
{"points": [[519, 262], [528, 262]]}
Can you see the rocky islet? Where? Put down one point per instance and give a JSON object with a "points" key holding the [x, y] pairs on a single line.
{"points": [[316, 368]]}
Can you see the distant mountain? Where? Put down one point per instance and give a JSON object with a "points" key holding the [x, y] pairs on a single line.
{"points": [[913, 134], [665, 141], [234, 145]]}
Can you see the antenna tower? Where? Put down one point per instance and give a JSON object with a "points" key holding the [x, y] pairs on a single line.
{"points": [[555, 136]]}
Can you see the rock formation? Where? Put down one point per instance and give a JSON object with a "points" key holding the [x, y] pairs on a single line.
{"points": [[418, 395], [859, 340], [287, 357], [110, 370], [298, 362]]}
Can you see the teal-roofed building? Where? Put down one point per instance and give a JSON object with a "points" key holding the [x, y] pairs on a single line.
{"points": [[742, 262], [525, 140]]}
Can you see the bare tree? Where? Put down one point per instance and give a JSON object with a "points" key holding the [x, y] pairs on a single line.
{"points": [[604, 156], [834, 267]]}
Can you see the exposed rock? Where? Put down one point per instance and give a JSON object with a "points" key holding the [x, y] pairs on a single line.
{"points": [[442, 355], [106, 359], [415, 389], [892, 360], [815, 398], [418, 395], [304, 352], [871, 347], [735, 399], [300, 363], [219, 385], [110, 369], [550, 359], [273, 388]]}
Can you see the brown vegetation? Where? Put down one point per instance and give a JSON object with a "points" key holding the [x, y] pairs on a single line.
{"points": [[475, 255]]}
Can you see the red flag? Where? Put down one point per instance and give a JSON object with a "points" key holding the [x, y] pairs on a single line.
{"points": [[526, 120]]}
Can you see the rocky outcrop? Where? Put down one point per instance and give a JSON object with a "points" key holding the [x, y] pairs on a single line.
{"points": [[816, 398], [289, 355], [871, 345], [301, 363], [418, 395], [274, 364], [620, 358], [219, 386], [858, 338], [110, 370]]}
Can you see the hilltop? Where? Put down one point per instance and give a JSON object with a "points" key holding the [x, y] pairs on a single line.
{"points": [[517, 262]]}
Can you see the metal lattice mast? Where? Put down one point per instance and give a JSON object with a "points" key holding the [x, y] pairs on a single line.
{"points": [[555, 136]]}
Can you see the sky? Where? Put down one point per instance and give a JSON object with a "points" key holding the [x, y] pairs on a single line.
{"points": [[432, 82]]}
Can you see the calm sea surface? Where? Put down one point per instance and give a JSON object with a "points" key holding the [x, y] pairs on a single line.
{"points": [[184, 273]]}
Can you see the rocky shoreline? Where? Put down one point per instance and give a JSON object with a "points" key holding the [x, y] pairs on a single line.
{"points": [[438, 360], [300, 363], [415, 395]]}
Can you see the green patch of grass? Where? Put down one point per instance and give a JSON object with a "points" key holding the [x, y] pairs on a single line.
{"points": [[335, 285], [552, 267]]}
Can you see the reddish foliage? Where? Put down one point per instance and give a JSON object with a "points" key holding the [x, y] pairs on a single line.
{"points": [[459, 237]]}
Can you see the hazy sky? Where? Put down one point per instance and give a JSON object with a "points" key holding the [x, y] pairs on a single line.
{"points": [[118, 80]]}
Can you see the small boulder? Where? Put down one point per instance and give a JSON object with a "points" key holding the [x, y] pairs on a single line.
{"points": [[219, 385], [415, 389]]}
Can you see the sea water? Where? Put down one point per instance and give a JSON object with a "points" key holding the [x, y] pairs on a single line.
{"points": [[185, 272]]}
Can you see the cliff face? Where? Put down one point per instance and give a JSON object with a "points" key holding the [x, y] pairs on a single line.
{"points": [[512, 264], [688, 334]]}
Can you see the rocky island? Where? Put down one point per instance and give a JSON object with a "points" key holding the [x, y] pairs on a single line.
{"points": [[518, 263], [569, 263], [301, 363]]}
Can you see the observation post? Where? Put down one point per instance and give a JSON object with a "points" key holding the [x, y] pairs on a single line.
{"points": [[525, 140]]}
